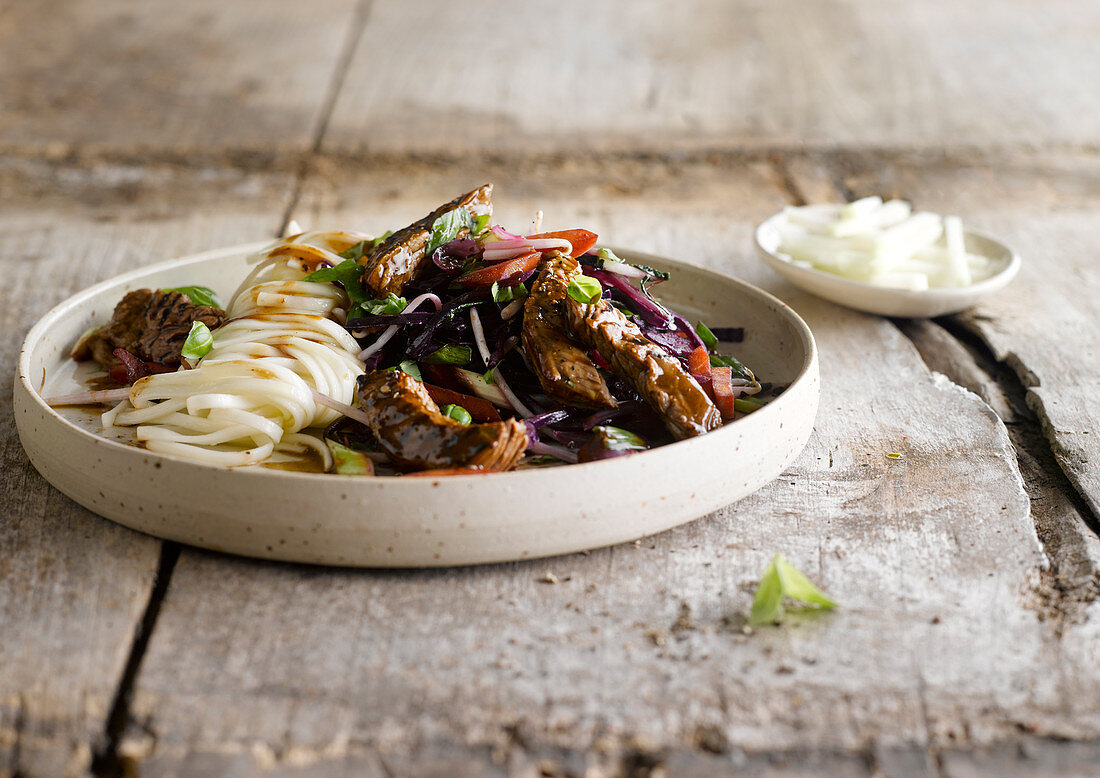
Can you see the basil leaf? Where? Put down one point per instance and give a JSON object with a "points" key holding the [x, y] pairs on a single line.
{"points": [[451, 354], [505, 294], [458, 413], [710, 340], [199, 341], [782, 579], [411, 368], [365, 247], [585, 289], [347, 271], [198, 295], [447, 227], [348, 461], [618, 439]]}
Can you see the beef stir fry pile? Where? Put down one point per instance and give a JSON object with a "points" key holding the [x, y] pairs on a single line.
{"points": [[484, 350], [481, 350]]}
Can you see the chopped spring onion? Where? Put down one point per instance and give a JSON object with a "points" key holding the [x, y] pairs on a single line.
{"points": [[450, 354], [747, 404], [710, 340], [506, 294], [199, 341], [458, 413], [411, 368], [782, 579], [585, 289], [348, 461]]}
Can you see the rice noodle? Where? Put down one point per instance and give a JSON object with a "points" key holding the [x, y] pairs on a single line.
{"points": [[259, 384]]}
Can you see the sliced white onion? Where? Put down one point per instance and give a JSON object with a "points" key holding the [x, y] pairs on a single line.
{"points": [[96, 397]]}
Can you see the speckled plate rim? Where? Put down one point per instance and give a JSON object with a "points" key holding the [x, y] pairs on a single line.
{"points": [[844, 290], [803, 389]]}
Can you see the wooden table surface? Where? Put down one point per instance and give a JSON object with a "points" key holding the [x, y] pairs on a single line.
{"points": [[969, 571]]}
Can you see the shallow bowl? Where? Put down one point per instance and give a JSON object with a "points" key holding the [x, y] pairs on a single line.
{"points": [[403, 522]]}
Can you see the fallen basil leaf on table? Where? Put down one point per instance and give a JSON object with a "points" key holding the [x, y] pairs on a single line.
{"points": [[782, 579]]}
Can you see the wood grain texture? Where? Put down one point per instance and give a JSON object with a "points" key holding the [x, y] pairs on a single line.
{"points": [[640, 647], [142, 80], [738, 75], [73, 586]]}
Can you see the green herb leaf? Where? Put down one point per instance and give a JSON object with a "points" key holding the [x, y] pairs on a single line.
{"points": [[450, 354], [797, 586], [739, 368], [198, 295], [364, 247], [585, 289], [710, 340], [618, 439], [767, 603], [480, 224], [447, 227], [348, 461], [782, 579], [458, 413], [199, 341], [390, 305], [505, 294], [411, 368], [345, 271]]}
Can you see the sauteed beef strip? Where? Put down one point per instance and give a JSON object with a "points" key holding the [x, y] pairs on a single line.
{"points": [[562, 366], [151, 325], [401, 257], [412, 431], [658, 376]]}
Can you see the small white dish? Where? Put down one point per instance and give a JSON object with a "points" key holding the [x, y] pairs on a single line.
{"points": [[413, 522], [885, 301]]}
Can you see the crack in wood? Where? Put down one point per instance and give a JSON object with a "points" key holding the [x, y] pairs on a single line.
{"points": [[1062, 593], [324, 115], [107, 762]]}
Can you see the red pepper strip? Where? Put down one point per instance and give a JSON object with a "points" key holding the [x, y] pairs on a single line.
{"points": [[479, 409], [699, 361], [721, 381], [486, 276], [582, 240]]}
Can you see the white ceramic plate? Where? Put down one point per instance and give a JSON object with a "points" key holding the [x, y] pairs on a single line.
{"points": [[400, 522], [881, 300]]}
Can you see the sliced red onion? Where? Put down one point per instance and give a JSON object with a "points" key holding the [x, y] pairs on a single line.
{"points": [[384, 338], [509, 243], [550, 244], [339, 407], [499, 255], [503, 234], [558, 452]]}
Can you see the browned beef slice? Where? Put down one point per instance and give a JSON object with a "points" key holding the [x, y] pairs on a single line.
{"points": [[412, 431], [658, 376], [151, 325], [562, 366], [401, 257]]}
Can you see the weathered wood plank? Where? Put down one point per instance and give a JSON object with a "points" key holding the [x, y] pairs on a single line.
{"points": [[197, 79], [1043, 325], [640, 647], [73, 587], [437, 78]]}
